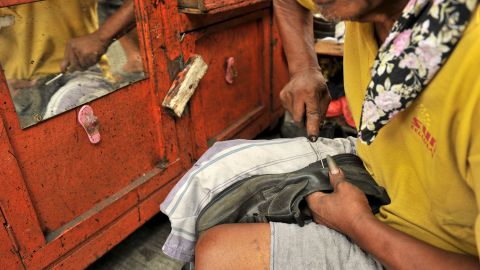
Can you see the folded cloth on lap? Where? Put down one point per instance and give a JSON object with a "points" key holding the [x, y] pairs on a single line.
{"points": [[280, 197], [224, 164]]}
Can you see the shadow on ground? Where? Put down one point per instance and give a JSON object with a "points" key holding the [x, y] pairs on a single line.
{"points": [[142, 250]]}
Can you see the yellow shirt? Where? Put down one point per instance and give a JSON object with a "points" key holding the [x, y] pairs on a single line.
{"points": [[428, 156], [34, 46], [308, 4]]}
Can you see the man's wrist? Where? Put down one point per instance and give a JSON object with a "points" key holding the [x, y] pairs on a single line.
{"points": [[358, 227], [103, 37], [296, 71]]}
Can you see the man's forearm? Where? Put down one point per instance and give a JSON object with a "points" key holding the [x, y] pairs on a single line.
{"points": [[295, 24], [397, 250], [118, 23]]}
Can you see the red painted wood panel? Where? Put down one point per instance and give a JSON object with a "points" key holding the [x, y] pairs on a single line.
{"points": [[191, 22], [9, 258], [67, 189], [78, 200], [106, 239], [226, 108], [5, 3], [215, 6], [83, 232], [66, 177], [14, 196]]}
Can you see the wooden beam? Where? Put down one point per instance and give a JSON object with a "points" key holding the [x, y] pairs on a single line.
{"points": [[329, 47]]}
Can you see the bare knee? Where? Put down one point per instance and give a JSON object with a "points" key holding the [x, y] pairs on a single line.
{"points": [[234, 246], [210, 249]]}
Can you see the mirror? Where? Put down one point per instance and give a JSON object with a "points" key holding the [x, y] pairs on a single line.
{"points": [[59, 54]]}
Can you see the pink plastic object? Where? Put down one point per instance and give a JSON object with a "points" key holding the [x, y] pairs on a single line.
{"points": [[90, 123], [230, 70], [334, 108], [338, 107]]}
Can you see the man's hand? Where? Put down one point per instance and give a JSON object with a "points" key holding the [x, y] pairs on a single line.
{"points": [[341, 210], [306, 94], [346, 210], [83, 52]]}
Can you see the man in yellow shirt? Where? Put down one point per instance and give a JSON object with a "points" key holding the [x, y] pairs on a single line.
{"points": [[48, 37], [36, 43], [411, 79]]}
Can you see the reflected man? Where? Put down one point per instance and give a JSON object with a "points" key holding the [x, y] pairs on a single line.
{"points": [[58, 39]]}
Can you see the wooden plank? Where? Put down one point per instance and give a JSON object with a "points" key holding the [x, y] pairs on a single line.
{"points": [[185, 4], [162, 23], [101, 218], [9, 257], [228, 110], [55, 164], [241, 124], [197, 21], [329, 47], [171, 47], [215, 6], [14, 196], [184, 85], [106, 239]]}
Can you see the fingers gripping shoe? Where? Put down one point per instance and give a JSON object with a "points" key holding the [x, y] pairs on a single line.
{"points": [[281, 197]]}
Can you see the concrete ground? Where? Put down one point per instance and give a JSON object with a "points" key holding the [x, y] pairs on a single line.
{"points": [[142, 250]]}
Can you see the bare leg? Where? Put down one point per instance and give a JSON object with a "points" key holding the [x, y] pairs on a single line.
{"points": [[234, 246]]}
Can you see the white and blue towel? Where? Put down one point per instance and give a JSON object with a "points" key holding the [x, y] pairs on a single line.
{"points": [[226, 163]]}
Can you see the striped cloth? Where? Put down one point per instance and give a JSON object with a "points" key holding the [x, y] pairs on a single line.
{"points": [[226, 163]]}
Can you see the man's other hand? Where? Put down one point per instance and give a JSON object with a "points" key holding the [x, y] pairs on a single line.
{"points": [[83, 52], [341, 210], [306, 94]]}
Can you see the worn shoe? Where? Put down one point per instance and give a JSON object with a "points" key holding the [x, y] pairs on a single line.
{"points": [[280, 197]]}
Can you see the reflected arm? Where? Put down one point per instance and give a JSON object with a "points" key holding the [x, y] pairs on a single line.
{"points": [[85, 51], [117, 25]]}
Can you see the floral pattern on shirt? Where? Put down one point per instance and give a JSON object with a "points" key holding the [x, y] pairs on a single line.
{"points": [[418, 45]]}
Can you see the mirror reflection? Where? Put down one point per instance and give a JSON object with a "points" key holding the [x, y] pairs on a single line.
{"points": [[59, 54]]}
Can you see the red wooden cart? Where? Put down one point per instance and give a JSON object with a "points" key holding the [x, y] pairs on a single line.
{"points": [[64, 202]]}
